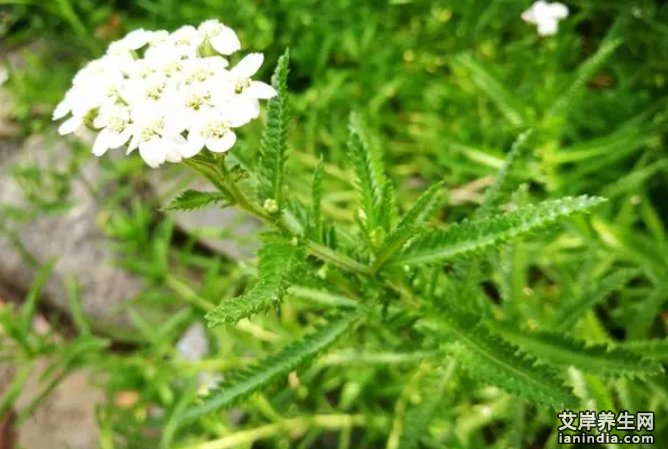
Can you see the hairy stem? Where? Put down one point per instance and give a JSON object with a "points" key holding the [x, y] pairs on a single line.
{"points": [[322, 252]]}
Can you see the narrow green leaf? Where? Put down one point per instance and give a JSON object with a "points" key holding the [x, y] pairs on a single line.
{"points": [[274, 142], [30, 305], [494, 193], [568, 314], [508, 104], [656, 349], [416, 406], [388, 212], [279, 260], [469, 237], [489, 358], [194, 200], [584, 73], [274, 367], [370, 178], [392, 244], [316, 207], [423, 208], [596, 358]]}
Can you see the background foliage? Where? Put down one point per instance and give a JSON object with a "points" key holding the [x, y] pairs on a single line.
{"points": [[443, 90]]}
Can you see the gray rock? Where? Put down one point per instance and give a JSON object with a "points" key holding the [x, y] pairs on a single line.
{"points": [[70, 236]]}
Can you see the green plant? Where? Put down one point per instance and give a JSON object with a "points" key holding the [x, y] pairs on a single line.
{"points": [[446, 291]]}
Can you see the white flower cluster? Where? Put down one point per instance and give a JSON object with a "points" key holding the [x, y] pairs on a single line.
{"points": [[170, 95], [545, 16]]}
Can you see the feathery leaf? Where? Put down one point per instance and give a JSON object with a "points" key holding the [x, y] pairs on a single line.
{"points": [[274, 367], [315, 228], [423, 208], [194, 200], [489, 358], [388, 207], [279, 260], [494, 193], [571, 311], [596, 358], [370, 178], [274, 143], [656, 349], [469, 237], [411, 419]]}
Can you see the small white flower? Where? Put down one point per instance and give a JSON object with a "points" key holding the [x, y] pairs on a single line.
{"points": [[223, 39], [116, 128], [169, 95], [157, 138], [204, 70], [244, 92], [214, 132], [545, 16], [194, 105]]}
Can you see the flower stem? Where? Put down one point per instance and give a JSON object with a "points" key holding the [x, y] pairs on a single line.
{"points": [[318, 250]]}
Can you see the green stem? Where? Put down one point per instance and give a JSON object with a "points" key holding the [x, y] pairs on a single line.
{"points": [[322, 252], [344, 262], [293, 427]]}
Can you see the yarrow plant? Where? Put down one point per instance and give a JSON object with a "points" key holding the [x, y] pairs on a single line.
{"points": [[545, 16], [169, 95], [411, 283]]}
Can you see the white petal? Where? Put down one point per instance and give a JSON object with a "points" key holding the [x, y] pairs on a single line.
{"points": [[119, 139], [548, 27], [261, 90], [249, 65], [136, 39], [62, 109], [173, 155], [70, 125], [226, 41], [559, 10], [529, 16], [101, 143], [175, 148], [223, 144], [153, 152], [193, 146]]}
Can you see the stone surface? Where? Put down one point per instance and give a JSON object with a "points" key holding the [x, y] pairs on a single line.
{"points": [[66, 418], [71, 237]]}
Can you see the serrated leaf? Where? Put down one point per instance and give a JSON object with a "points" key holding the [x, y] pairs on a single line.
{"points": [[387, 212], [274, 142], [470, 237], [568, 314], [315, 228], [489, 358], [369, 176], [279, 260], [194, 200], [274, 367], [417, 405], [596, 358], [494, 193], [423, 208], [656, 349]]}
